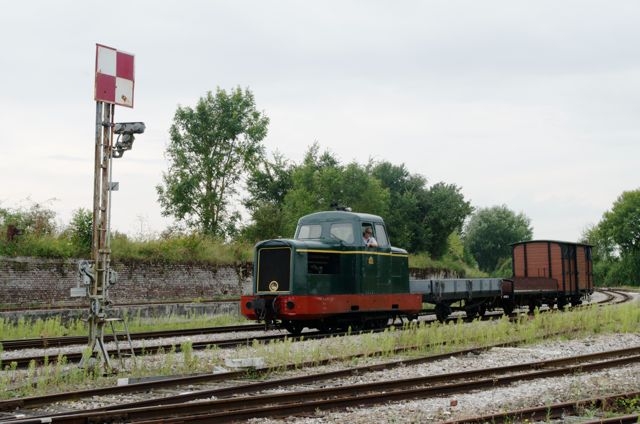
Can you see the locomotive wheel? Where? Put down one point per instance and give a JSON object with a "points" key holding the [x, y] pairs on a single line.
{"points": [[356, 326], [293, 327]]}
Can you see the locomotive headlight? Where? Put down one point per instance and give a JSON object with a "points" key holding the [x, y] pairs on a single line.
{"points": [[290, 305]]}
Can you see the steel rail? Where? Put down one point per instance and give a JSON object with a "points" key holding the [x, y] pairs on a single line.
{"points": [[48, 342], [557, 411]]}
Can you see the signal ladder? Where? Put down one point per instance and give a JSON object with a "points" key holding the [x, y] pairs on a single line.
{"points": [[120, 333]]}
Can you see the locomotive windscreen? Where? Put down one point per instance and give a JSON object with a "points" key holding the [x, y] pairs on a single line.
{"points": [[274, 269]]}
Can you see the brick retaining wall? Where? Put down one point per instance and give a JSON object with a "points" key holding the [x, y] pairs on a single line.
{"points": [[31, 282]]}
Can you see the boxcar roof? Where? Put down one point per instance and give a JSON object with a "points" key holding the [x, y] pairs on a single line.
{"points": [[551, 241]]}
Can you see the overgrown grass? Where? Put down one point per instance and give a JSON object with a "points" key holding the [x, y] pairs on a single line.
{"points": [[177, 249], [53, 327], [184, 249]]}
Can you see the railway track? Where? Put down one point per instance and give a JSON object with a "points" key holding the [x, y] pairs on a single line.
{"points": [[49, 342], [24, 362], [563, 411], [254, 400]]}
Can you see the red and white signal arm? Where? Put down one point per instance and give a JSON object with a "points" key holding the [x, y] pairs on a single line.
{"points": [[114, 76]]}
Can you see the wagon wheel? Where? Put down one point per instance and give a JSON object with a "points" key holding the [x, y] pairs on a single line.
{"points": [[561, 303], [482, 309], [472, 312], [508, 307], [293, 327], [442, 312]]}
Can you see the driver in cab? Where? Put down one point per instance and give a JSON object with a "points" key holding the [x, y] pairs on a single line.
{"points": [[368, 239]]}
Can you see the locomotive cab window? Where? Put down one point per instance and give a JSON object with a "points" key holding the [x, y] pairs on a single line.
{"points": [[309, 231], [381, 235], [342, 231]]}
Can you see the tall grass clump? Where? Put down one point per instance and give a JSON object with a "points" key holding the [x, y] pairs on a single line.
{"points": [[54, 327], [27, 329]]}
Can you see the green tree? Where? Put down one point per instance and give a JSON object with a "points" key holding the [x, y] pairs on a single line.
{"points": [[406, 192], [421, 219], [622, 222], [211, 149], [81, 230], [444, 213], [489, 233], [267, 185], [616, 242]]}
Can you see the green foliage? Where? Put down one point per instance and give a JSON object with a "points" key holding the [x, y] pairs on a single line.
{"points": [[444, 212], [406, 194], [212, 147], [448, 266], [48, 246], [420, 218], [81, 230], [622, 222], [489, 233], [616, 242], [267, 185], [193, 248], [504, 268], [36, 220]]}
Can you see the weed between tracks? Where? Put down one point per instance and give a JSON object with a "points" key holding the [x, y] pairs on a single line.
{"points": [[53, 327], [418, 338]]}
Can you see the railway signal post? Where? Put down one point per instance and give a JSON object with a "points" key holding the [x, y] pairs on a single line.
{"points": [[113, 86]]}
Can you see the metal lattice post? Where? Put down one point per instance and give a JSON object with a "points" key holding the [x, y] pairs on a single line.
{"points": [[101, 249]]}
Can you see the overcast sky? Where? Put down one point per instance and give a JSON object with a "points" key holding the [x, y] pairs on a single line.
{"points": [[530, 104]]}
